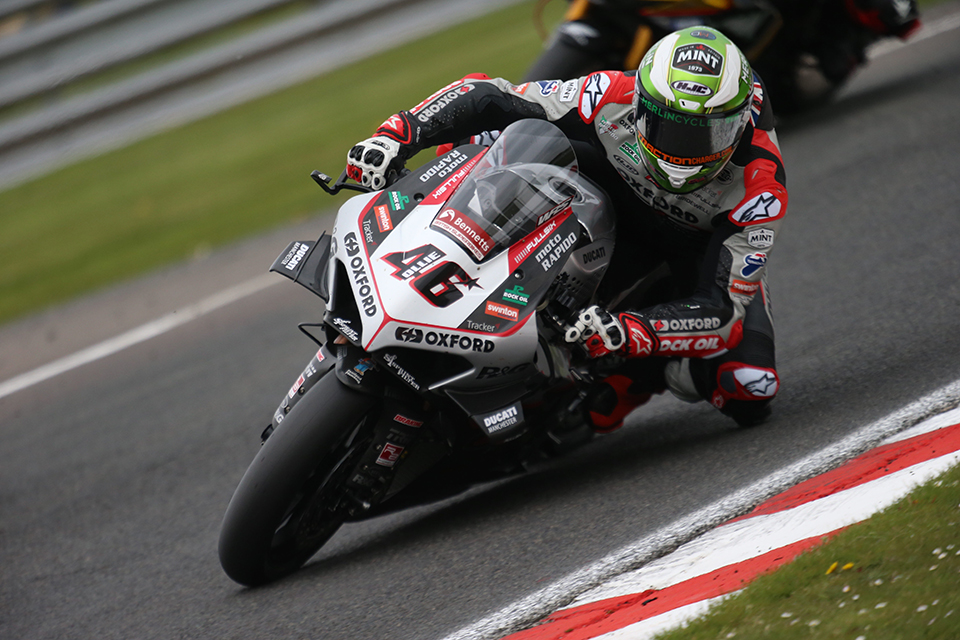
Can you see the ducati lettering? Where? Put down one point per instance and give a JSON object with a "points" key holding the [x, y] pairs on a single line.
{"points": [[699, 59], [502, 419], [295, 255], [686, 324], [593, 255], [554, 249]]}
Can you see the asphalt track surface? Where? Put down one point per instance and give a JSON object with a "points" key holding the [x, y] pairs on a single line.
{"points": [[115, 475]]}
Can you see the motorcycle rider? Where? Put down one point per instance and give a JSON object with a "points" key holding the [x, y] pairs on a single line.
{"points": [[686, 149], [606, 34]]}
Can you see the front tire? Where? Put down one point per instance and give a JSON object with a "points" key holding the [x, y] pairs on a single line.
{"points": [[290, 500]]}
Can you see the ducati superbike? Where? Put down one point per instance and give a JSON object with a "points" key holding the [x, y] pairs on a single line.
{"points": [[441, 361]]}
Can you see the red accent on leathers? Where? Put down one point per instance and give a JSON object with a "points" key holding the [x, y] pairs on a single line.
{"points": [[626, 402]]}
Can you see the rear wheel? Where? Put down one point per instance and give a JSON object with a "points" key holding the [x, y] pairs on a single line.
{"points": [[291, 498]]}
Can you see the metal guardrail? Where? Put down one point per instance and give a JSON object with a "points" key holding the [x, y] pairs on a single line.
{"points": [[43, 59], [277, 55], [326, 18]]}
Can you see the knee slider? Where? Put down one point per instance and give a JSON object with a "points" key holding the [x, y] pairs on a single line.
{"points": [[738, 381]]}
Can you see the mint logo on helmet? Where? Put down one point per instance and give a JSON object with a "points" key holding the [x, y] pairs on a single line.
{"points": [[692, 105], [698, 58]]}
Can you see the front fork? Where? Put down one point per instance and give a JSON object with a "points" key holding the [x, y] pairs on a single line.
{"points": [[394, 426]]}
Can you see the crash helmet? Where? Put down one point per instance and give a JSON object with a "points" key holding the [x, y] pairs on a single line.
{"points": [[694, 90]]}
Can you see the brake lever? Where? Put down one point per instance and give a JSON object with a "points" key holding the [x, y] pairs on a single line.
{"points": [[323, 180]]}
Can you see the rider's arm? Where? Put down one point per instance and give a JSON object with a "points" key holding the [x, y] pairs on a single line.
{"points": [[711, 320]]}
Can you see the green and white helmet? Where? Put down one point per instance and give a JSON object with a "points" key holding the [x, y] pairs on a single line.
{"points": [[692, 101]]}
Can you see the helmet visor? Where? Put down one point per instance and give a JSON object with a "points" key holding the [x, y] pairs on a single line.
{"points": [[686, 139]]}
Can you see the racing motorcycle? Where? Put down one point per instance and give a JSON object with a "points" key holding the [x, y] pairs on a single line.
{"points": [[441, 359], [804, 51]]}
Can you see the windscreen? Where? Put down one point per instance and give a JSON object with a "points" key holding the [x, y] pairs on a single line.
{"points": [[525, 178]]}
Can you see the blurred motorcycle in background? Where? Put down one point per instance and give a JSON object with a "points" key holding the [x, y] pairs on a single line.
{"points": [[804, 50]]}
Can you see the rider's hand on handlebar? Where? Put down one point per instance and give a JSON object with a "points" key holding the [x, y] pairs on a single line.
{"points": [[601, 333], [370, 161]]}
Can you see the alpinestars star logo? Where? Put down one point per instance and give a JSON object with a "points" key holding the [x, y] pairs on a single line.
{"points": [[762, 386], [763, 207]]}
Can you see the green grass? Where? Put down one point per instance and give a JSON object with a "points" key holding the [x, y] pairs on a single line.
{"points": [[230, 175], [902, 582]]}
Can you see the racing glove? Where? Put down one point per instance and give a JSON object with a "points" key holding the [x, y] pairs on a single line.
{"points": [[602, 333], [372, 161]]}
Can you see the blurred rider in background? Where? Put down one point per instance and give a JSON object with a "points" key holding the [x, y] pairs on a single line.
{"points": [[686, 149], [789, 42]]}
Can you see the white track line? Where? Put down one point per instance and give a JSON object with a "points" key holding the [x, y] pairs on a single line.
{"points": [[142, 333], [562, 593]]}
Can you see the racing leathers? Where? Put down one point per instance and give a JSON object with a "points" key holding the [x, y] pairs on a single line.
{"points": [[708, 325]]}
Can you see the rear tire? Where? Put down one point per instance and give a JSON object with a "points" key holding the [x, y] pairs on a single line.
{"points": [[290, 500]]}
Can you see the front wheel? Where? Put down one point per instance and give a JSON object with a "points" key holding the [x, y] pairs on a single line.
{"points": [[291, 499]]}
